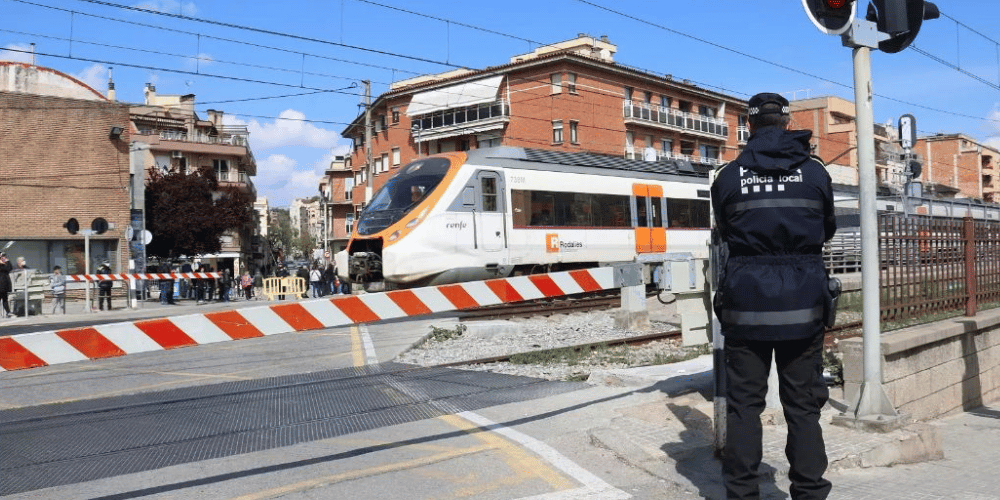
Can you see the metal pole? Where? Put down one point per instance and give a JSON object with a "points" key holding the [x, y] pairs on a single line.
{"points": [[86, 267], [872, 400]]}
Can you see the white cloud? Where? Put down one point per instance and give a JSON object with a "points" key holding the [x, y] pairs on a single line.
{"points": [[17, 52], [201, 61], [169, 6], [289, 129], [95, 75]]}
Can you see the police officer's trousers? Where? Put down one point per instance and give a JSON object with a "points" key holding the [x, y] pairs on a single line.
{"points": [[803, 393]]}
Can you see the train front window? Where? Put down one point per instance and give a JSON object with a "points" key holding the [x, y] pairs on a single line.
{"points": [[401, 193]]}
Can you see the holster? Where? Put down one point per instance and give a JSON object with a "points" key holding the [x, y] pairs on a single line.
{"points": [[834, 288]]}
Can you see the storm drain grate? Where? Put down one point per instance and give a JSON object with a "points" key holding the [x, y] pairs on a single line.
{"points": [[69, 443]]}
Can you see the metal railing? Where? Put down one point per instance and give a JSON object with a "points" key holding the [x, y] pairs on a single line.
{"points": [[226, 139], [633, 153], [462, 116], [674, 118], [934, 266]]}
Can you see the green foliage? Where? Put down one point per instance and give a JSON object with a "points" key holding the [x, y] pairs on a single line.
{"points": [[833, 365], [442, 334]]}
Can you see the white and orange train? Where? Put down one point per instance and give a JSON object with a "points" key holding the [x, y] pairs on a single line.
{"points": [[505, 211]]}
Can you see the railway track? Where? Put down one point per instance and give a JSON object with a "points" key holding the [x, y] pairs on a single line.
{"points": [[603, 300]]}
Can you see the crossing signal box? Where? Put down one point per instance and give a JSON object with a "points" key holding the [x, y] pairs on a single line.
{"points": [[901, 20], [833, 17]]}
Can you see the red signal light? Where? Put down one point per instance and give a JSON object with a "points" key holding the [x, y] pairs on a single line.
{"points": [[836, 4]]}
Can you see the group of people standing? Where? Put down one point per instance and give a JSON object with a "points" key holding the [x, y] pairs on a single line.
{"points": [[6, 285]]}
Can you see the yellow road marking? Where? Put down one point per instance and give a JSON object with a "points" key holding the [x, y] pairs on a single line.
{"points": [[357, 350]]}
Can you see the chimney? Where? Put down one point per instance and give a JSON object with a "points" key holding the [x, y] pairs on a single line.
{"points": [[215, 117], [150, 93], [33, 54], [112, 95]]}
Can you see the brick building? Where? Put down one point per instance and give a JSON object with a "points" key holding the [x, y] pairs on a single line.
{"points": [[569, 96], [336, 189], [64, 153], [958, 161]]}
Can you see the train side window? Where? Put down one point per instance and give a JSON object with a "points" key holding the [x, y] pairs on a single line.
{"points": [[640, 211], [688, 213], [489, 185], [469, 196], [520, 201]]}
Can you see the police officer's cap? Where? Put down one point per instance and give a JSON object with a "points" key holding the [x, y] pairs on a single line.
{"points": [[767, 102]]}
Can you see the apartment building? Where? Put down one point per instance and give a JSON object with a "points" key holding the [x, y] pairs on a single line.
{"points": [[960, 162], [64, 153], [170, 135], [336, 189], [569, 96]]}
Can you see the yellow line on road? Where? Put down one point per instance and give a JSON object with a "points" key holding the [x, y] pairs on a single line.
{"points": [[357, 347]]}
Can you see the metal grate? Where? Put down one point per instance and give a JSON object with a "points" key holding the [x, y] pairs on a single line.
{"points": [[82, 441]]}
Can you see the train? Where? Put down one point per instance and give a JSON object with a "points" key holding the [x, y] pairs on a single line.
{"points": [[510, 211]]}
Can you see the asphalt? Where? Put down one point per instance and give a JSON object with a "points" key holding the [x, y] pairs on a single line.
{"points": [[658, 419]]}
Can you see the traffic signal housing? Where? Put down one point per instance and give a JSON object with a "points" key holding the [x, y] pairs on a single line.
{"points": [[901, 20], [833, 17]]}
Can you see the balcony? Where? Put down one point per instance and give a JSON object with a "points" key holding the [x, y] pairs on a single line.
{"points": [[633, 153], [642, 113], [228, 136], [461, 121]]}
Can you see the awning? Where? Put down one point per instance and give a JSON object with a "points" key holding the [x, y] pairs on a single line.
{"points": [[456, 96]]}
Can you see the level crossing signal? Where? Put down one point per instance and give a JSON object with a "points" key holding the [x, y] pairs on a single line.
{"points": [[901, 20], [833, 17]]}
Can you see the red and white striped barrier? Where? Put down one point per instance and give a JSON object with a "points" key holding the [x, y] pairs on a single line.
{"points": [[32, 350], [150, 276]]}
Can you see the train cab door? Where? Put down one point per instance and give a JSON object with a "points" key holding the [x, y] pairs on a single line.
{"points": [[650, 234], [491, 235]]}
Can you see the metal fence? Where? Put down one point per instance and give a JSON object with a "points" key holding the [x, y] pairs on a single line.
{"points": [[934, 266]]}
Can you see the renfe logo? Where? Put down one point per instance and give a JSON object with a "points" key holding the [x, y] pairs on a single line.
{"points": [[551, 242]]}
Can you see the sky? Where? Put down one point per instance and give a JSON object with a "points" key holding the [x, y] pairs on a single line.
{"points": [[291, 71]]}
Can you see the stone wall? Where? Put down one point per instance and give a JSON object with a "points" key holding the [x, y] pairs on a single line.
{"points": [[933, 370]]}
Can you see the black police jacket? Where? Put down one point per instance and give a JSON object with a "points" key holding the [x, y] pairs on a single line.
{"points": [[773, 208]]}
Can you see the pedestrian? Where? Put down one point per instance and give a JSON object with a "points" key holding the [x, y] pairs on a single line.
{"points": [[246, 283], [208, 283], [258, 284], [57, 282], [185, 283], [198, 284], [6, 286], [303, 272], [225, 282], [773, 207], [329, 280], [282, 272], [316, 277], [104, 287]]}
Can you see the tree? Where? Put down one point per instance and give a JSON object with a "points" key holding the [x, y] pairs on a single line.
{"points": [[188, 213], [279, 233]]}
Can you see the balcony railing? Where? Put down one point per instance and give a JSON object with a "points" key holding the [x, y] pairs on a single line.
{"points": [[461, 116], [234, 177], [669, 117], [226, 139], [639, 154]]}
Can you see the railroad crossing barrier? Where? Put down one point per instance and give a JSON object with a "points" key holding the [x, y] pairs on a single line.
{"points": [[118, 339], [144, 276], [288, 285]]}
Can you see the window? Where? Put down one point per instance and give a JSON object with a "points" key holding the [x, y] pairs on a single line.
{"points": [[545, 209], [687, 213], [378, 165], [349, 223], [665, 101], [489, 185], [221, 169], [395, 115], [556, 79], [629, 140], [571, 82], [649, 97], [706, 111], [573, 137], [687, 148], [395, 156], [348, 189], [709, 151], [649, 141], [667, 145], [684, 106], [385, 162], [628, 93], [557, 131]]}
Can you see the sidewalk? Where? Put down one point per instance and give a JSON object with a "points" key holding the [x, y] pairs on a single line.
{"points": [[665, 427]]}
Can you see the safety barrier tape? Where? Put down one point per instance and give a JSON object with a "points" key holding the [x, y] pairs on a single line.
{"points": [[148, 276], [32, 350]]}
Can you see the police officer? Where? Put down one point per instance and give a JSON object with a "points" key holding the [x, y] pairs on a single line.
{"points": [[773, 207]]}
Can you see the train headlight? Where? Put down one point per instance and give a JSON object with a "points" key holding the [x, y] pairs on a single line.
{"points": [[413, 222], [394, 236]]}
